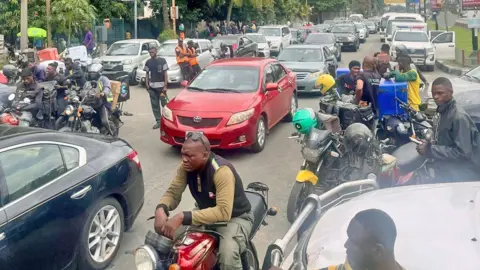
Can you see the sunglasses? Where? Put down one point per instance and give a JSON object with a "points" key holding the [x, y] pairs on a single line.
{"points": [[196, 136]]}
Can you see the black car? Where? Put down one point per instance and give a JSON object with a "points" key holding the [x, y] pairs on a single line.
{"points": [[240, 45], [347, 36], [65, 199], [328, 40]]}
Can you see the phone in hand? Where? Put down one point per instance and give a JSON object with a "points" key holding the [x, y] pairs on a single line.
{"points": [[415, 140]]}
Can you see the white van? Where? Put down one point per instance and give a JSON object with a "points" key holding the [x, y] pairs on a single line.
{"points": [[396, 16], [406, 25], [356, 17], [389, 29]]}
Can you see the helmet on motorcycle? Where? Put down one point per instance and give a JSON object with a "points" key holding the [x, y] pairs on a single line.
{"points": [[357, 138], [304, 120], [94, 71], [325, 82], [10, 71], [401, 50]]}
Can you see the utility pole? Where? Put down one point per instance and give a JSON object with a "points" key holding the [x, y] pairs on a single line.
{"points": [[174, 17], [135, 17], [49, 25], [24, 25]]}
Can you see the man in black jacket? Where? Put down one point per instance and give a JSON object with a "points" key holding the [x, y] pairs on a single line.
{"points": [[29, 88], [454, 132], [74, 72]]}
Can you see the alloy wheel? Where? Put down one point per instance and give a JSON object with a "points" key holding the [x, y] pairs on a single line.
{"points": [[293, 105], [104, 233], [261, 133]]}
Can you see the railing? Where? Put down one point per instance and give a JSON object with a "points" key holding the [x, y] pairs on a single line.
{"points": [[467, 58]]}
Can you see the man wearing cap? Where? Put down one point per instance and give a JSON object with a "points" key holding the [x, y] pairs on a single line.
{"points": [[182, 59], [28, 88], [53, 75], [347, 83]]}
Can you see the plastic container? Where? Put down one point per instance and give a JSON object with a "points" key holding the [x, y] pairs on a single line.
{"points": [[341, 71], [48, 54], [387, 104]]}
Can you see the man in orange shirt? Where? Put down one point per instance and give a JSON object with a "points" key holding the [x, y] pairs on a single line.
{"points": [[195, 68]]}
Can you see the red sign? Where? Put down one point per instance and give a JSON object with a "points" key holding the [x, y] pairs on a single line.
{"points": [[470, 4], [436, 5]]}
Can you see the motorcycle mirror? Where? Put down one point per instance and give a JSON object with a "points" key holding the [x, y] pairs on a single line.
{"points": [[26, 100], [423, 107], [11, 97]]}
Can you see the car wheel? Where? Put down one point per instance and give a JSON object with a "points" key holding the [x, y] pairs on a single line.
{"points": [[101, 235], [260, 135], [355, 48], [133, 80], [300, 191], [293, 108]]}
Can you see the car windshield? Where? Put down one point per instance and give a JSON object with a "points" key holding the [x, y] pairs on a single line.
{"points": [[411, 37], [355, 18], [123, 49], [468, 98], [301, 55], [227, 79], [167, 49], [257, 38], [320, 39], [370, 23], [473, 74], [329, 22], [343, 29], [226, 41], [359, 25], [270, 32]]}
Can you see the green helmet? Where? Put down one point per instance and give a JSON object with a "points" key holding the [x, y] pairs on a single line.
{"points": [[304, 120]]}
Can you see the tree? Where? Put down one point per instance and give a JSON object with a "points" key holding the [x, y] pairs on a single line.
{"points": [[10, 16], [238, 3], [110, 8], [71, 15]]}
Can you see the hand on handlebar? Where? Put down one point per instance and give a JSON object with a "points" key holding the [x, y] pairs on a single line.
{"points": [[161, 219], [172, 225]]}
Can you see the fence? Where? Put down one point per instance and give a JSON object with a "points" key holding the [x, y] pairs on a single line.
{"points": [[467, 58], [2, 44]]}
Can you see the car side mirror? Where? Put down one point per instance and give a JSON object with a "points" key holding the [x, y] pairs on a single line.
{"points": [[272, 86], [423, 107], [184, 83], [144, 52], [389, 39]]}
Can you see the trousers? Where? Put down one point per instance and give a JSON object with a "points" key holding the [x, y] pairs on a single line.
{"points": [[185, 68], [233, 243], [195, 70], [157, 97]]}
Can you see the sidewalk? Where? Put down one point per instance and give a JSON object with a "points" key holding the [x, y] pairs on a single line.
{"points": [[451, 67]]}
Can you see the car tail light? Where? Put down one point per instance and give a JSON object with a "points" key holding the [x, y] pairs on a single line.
{"points": [[234, 47], [133, 156], [7, 118]]}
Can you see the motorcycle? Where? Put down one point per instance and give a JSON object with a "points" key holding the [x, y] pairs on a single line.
{"points": [[325, 155], [197, 247], [14, 114]]}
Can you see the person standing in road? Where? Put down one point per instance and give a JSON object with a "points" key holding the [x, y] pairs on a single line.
{"points": [[452, 147], [89, 41], [195, 67], [156, 81], [408, 74], [182, 59], [383, 58]]}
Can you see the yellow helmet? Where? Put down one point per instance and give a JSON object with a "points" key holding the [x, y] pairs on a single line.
{"points": [[325, 82]]}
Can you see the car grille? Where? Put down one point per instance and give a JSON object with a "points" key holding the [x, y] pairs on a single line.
{"points": [[212, 141], [301, 76], [112, 66], [203, 123], [416, 52]]}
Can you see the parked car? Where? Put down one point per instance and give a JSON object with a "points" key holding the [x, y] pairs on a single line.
{"points": [[167, 51], [66, 199], [326, 39], [371, 26], [278, 35], [234, 102], [263, 49], [451, 207], [346, 35], [124, 57], [240, 45]]}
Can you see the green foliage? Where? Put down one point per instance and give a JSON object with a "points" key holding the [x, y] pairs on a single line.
{"points": [[71, 16], [166, 35], [110, 9], [10, 16]]}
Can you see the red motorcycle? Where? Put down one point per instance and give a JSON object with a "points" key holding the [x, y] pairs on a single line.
{"points": [[196, 248]]}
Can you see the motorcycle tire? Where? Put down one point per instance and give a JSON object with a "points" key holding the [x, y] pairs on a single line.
{"points": [[300, 191], [60, 123]]}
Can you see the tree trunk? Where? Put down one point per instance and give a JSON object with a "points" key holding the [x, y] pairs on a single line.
{"points": [[229, 13], [166, 17], [49, 24], [69, 33]]}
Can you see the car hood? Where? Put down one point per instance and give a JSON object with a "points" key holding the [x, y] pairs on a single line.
{"points": [[342, 35], [427, 217], [273, 38], [462, 85], [262, 46], [117, 58], [414, 45], [304, 66], [211, 102]]}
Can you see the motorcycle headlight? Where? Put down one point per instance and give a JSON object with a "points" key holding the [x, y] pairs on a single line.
{"points": [[167, 113], [76, 99], [69, 110], [240, 117], [145, 258]]}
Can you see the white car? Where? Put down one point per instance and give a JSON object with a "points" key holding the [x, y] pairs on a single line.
{"points": [[437, 226], [278, 36], [420, 49], [167, 51], [263, 45], [362, 32], [124, 57]]}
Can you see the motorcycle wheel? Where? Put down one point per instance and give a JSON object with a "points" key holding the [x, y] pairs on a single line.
{"points": [[300, 191], [60, 123]]}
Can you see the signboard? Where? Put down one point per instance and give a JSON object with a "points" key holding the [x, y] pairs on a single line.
{"points": [[470, 4], [393, 2], [473, 19]]}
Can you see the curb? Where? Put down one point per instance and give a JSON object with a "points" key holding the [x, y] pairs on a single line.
{"points": [[449, 69]]}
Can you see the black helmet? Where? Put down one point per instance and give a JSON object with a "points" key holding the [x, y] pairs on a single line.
{"points": [[10, 71], [357, 138], [401, 50]]}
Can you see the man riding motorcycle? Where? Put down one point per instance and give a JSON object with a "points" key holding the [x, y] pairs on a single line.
{"points": [[104, 92], [74, 72], [218, 191], [28, 88], [53, 75]]}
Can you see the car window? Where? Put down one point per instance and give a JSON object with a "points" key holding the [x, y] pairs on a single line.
{"points": [[145, 47], [285, 30], [326, 52], [292, 54], [152, 45], [71, 157], [268, 74], [320, 39], [30, 167], [220, 78], [445, 38], [278, 72], [411, 36]]}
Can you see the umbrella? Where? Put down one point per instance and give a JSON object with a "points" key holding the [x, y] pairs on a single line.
{"points": [[34, 32]]}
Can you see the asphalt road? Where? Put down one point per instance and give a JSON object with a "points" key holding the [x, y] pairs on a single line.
{"points": [[276, 166]]}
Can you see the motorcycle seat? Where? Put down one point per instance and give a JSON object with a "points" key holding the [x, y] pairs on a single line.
{"points": [[331, 122], [408, 160], [259, 210]]}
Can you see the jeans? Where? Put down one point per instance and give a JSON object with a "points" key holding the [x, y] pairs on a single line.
{"points": [[157, 96], [185, 67]]}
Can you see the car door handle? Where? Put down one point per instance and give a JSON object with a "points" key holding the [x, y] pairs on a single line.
{"points": [[2, 236], [81, 193], [451, 46]]}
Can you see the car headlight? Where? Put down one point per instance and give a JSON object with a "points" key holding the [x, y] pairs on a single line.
{"points": [[351, 38], [145, 258], [314, 75], [240, 117], [167, 113], [97, 60], [127, 62], [174, 67], [69, 110]]}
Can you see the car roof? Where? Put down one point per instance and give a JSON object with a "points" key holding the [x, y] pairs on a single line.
{"points": [[134, 41], [242, 61], [304, 46], [273, 26], [436, 225], [7, 131]]}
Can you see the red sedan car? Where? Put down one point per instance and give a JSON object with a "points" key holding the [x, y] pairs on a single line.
{"points": [[234, 102]]}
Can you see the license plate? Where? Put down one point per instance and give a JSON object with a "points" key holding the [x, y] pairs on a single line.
{"points": [[188, 132], [71, 118]]}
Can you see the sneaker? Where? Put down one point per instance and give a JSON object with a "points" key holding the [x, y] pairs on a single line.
{"points": [[156, 126]]}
